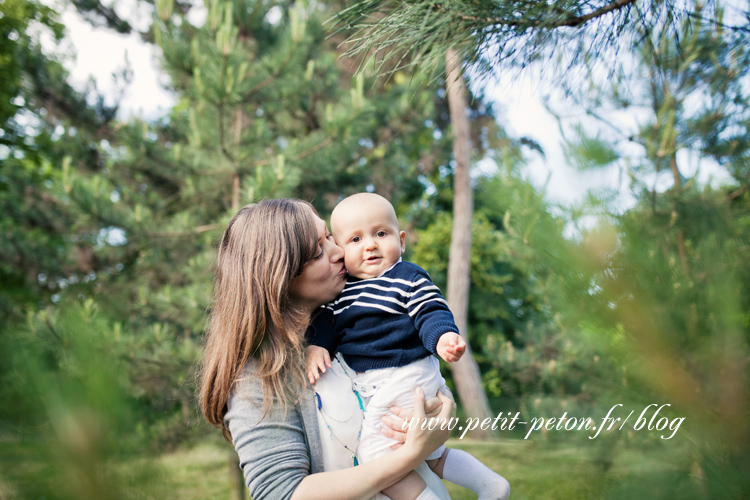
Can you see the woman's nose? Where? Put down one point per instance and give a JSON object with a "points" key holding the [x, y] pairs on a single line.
{"points": [[337, 253]]}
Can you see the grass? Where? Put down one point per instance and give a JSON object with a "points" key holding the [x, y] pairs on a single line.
{"points": [[542, 470], [536, 469], [200, 472]]}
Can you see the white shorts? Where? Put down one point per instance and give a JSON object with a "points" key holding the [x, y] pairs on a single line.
{"points": [[386, 387]]}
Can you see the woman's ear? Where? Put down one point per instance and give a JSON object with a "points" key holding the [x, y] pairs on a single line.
{"points": [[402, 237]]}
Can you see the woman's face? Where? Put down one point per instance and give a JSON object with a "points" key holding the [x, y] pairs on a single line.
{"points": [[323, 278]]}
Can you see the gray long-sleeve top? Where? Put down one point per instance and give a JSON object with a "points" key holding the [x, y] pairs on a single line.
{"points": [[278, 451]]}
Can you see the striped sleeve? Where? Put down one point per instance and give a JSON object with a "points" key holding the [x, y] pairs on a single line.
{"points": [[429, 310]]}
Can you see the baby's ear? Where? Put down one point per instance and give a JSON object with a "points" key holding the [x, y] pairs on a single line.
{"points": [[402, 237]]}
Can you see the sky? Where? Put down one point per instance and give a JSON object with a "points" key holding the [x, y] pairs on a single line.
{"points": [[99, 52]]}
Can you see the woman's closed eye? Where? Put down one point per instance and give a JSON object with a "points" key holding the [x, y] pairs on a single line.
{"points": [[329, 237]]}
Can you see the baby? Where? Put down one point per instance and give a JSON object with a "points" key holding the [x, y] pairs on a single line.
{"points": [[387, 323]]}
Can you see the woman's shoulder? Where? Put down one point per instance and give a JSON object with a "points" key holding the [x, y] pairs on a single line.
{"points": [[247, 384], [246, 397]]}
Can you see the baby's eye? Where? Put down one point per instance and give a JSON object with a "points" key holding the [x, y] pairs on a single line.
{"points": [[356, 239], [381, 234]]}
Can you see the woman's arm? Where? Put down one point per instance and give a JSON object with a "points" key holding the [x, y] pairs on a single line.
{"points": [[272, 449], [276, 462], [367, 479]]}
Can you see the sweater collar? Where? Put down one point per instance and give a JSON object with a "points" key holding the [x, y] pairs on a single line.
{"points": [[354, 278]]}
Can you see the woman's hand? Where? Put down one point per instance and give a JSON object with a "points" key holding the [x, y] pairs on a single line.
{"points": [[396, 427], [420, 439]]}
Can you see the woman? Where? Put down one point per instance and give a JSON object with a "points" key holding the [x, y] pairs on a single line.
{"points": [[277, 264]]}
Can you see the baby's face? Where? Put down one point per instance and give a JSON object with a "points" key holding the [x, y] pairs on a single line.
{"points": [[368, 233]]}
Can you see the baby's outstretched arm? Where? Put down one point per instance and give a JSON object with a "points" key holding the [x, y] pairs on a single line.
{"points": [[316, 360], [451, 347]]}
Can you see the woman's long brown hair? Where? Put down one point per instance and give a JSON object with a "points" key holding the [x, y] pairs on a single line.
{"points": [[264, 247]]}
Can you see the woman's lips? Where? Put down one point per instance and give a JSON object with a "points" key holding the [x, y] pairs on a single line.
{"points": [[342, 272]]}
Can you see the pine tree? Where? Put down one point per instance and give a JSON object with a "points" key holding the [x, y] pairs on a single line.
{"points": [[45, 122], [676, 271]]}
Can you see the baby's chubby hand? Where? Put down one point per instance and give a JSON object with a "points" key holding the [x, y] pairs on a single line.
{"points": [[316, 360], [451, 347]]}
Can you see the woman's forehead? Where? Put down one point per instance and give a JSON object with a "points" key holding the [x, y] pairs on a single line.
{"points": [[320, 227]]}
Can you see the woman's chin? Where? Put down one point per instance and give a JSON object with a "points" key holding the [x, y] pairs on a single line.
{"points": [[335, 292]]}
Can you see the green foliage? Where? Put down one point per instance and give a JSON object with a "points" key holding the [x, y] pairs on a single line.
{"points": [[522, 276], [45, 123], [672, 270], [589, 153], [493, 36], [63, 373], [662, 327], [690, 89], [17, 49]]}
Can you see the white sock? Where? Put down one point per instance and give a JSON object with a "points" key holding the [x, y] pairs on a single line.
{"points": [[464, 470], [427, 494]]}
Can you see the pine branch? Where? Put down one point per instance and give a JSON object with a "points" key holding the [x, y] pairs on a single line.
{"points": [[220, 111], [194, 231], [744, 29], [269, 161], [134, 360], [578, 21], [417, 33], [737, 192], [271, 78], [314, 149], [570, 21], [91, 10], [52, 329], [222, 140]]}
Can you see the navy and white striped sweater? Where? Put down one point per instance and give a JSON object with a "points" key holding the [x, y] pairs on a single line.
{"points": [[392, 320]]}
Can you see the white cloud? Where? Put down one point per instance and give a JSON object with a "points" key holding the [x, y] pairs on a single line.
{"points": [[100, 52]]}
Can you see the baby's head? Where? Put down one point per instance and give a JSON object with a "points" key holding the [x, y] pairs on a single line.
{"points": [[366, 227]]}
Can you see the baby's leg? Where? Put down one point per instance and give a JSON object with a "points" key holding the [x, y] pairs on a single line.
{"points": [[463, 469], [395, 387], [412, 487], [387, 387]]}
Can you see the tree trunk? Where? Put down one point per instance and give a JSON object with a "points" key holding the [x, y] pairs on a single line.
{"points": [[236, 177], [465, 371]]}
